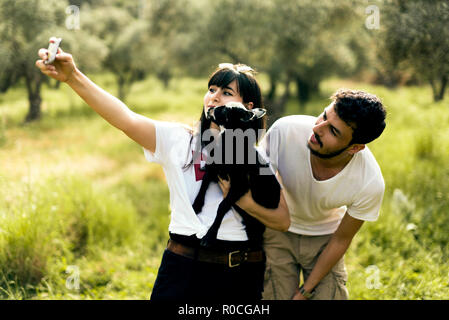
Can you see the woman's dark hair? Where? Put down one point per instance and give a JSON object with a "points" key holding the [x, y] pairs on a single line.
{"points": [[247, 87], [362, 111]]}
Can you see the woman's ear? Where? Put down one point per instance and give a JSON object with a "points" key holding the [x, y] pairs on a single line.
{"points": [[249, 105]]}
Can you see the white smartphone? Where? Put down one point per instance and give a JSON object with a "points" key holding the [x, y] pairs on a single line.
{"points": [[52, 49]]}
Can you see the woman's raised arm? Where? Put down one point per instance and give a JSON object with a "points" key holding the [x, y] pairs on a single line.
{"points": [[135, 126]]}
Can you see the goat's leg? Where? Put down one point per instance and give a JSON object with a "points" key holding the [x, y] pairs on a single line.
{"points": [[254, 228], [211, 236], [199, 200]]}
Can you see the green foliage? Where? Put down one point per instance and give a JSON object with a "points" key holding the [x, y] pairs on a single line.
{"points": [[297, 42], [26, 26], [19, 41], [45, 221], [415, 36]]}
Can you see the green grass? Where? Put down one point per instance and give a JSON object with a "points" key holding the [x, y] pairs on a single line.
{"points": [[77, 194]]}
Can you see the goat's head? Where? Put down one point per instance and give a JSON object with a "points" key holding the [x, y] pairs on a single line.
{"points": [[234, 115]]}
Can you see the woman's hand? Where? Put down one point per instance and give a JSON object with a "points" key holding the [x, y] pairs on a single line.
{"points": [[245, 201], [225, 186], [62, 68]]}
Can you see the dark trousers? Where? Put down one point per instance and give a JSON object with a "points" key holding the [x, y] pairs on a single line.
{"points": [[184, 279]]}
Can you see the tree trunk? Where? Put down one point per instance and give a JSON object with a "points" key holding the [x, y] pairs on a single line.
{"points": [[278, 107], [438, 93], [33, 84], [286, 95], [121, 82], [165, 77], [305, 89], [273, 86], [442, 88]]}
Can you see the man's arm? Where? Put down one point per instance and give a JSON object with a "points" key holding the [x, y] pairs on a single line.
{"points": [[278, 219], [333, 252]]}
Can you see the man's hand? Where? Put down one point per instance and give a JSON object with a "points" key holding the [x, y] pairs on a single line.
{"points": [[334, 250], [244, 202], [298, 295]]}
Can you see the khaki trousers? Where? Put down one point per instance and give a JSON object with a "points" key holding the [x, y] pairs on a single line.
{"points": [[289, 254]]}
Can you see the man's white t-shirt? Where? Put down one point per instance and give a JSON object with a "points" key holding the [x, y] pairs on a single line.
{"points": [[317, 207], [174, 148]]}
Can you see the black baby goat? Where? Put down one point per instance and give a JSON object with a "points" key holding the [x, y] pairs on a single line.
{"points": [[235, 156]]}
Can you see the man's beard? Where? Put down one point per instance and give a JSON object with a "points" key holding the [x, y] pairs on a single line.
{"points": [[326, 155]]}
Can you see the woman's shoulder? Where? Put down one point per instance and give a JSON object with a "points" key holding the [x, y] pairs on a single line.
{"points": [[172, 130], [172, 142]]}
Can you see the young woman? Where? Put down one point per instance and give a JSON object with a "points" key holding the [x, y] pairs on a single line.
{"points": [[231, 269]]}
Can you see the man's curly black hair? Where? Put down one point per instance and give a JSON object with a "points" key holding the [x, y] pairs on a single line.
{"points": [[362, 111]]}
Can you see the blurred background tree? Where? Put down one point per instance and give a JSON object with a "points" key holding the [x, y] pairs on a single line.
{"points": [[25, 26], [312, 41], [124, 37], [142, 37], [302, 42], [297, 44], [415, 37]]}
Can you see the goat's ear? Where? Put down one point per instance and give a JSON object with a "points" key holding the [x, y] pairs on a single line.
{"points": [[258, 112]]}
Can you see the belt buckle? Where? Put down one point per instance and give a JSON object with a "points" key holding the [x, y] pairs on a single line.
{"points": [[239, 263], [230, 259]]}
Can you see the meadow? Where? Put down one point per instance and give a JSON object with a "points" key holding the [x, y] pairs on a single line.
{"points": [[83, 215]]}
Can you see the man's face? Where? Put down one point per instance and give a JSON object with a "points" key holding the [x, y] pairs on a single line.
{"points": [[331, 136]]}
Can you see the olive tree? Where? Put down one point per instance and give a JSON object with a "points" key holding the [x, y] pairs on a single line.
{"points": [[24, 27], [415, 35]]}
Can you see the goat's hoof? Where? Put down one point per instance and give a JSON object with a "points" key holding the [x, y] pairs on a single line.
{"points": [[207, 242]]}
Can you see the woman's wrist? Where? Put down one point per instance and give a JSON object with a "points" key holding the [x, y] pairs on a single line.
{"points": [[74, 77]]}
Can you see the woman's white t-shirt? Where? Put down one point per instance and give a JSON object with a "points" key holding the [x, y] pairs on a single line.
{"points": [[174, 148]]}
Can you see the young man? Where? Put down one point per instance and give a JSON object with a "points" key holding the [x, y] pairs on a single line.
{"points": [[332, 184]]}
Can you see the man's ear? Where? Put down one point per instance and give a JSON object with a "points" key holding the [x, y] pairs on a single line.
{"points": [[353, 149]]}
